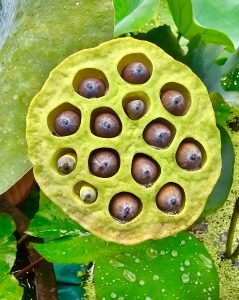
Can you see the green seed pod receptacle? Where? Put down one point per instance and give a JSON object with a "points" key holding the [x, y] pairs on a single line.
{"points": [[195, 124]]}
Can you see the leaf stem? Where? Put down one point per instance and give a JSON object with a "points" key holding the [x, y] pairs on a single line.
{"points": [[231, 232], [28, 268]]}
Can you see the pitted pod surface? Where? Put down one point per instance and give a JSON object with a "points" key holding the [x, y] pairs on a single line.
{"points": [[135, 152]]}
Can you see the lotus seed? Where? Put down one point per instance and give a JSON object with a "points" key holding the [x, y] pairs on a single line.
{"points": [[92, 88], [67, 123], [189, 156], [170, 198], [135, 109], [107, 125], [66, 164], [124, 206], [136, 73], [158, 135], [174, 102], [144, 170], [88, 194], [104, 163]]}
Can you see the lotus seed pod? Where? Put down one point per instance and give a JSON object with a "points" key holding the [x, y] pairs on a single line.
{"points": [[104, 163], [107, 125], [135, 109], [136, 73], [113, 165], [170, 198], [66, 164], [92, 88], [174, 102], [124, 207], [88, 194], [157, 135], [189, 156], [67, 123], [144, 170]]}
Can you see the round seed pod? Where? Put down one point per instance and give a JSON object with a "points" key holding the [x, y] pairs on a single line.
{"points": [[174, 102], [104, 163], [67, 123], [66, 164], [107, 125], [88, 194], [92, 88], [189, 156], [170, 198], [135, 73], [144, 170], [135, 109], [125, 207], [157, 135]]}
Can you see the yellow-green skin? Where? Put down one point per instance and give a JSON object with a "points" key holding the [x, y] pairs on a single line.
{"points": [[198, 123]]}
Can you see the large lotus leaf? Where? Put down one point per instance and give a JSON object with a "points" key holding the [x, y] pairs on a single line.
{"points": [[51, 222], [44, 33], [184, 19], [221, 190], [220, 15], [132, 15], [116, 265], [202, 59], [9, 288], [177, 267]]}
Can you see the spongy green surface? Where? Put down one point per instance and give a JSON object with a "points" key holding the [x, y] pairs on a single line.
{"points": [[198, 123]]}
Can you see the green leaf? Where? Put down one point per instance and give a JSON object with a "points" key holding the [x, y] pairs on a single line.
{"points": [[165, 39], [183, 17], [172, 268], [220, 193], [221, 108], [220, 15], [9, 288], [44, 33], [51, 222], [182, 255], [202, 59], [132, 15]]}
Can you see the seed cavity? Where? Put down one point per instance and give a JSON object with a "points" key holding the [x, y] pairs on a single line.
{"points": [[189, 156], [67, 123], [66, 164], [135, 73], [144, 169], [170, 198], [135, 109], [106, 125], [174, 102], [92, 88], [125, 207], [158, 134], [88, 194], [104, 162]]}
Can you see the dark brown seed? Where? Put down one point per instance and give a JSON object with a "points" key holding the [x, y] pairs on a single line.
{"points": [[144, 170], [189, 156], [135, 73], [124, 207], [107, 125], [66, 164], [92, 88], [135, 109], [170, 198], [67, 123], [104, 163], [174, 102], [157, 135]]}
